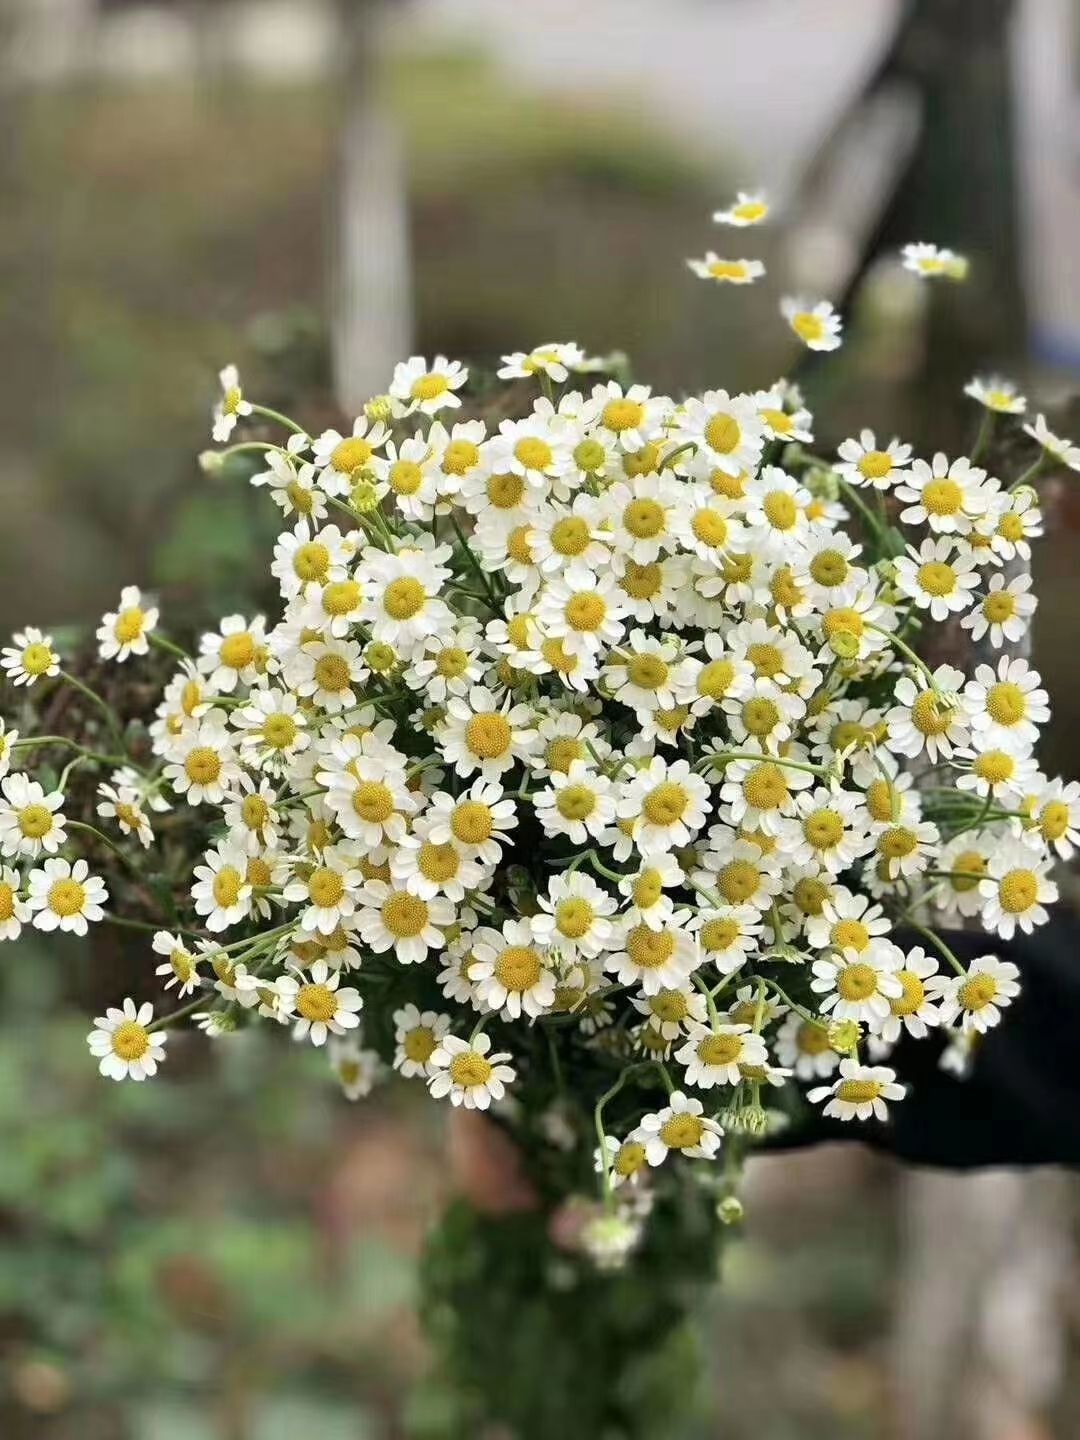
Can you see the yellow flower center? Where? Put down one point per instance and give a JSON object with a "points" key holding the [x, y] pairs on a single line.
{"points": [[715, 680], [780, 509], [560, 754], [824, 829], [812, 1039], [470, 1069], [373, 801], [750, 211], [850, 935], [760, 716], [723, 434], [404, 598], [404, 915], [719, 934], [767, 660], [937, 578], [130, 1041], [472, 822], [533, 453], [460, 457], [973, 865], [350, 455], [575, 802], [574, 917], [505, 491], [129, 625], [227, 883], [648, 672], [37, 659], [629, 1158], [35, 821], [930, 715], [332, 673], [301, 499], [589, 455], [518, 547], [710, 528], [875, 465], [978, 991], [570, 536], [488, 736], [995, 766], [913, 996], [316, 1003], [669, 1006], [340, 597], [66, 897], [1054, 820], [858, 1092], [809, 328], [666, 803], [727, 270], [7, 902], [879, 800], [585, 612], [1019, 891], [203, 765], [649, 949], [1006, 703], [856, 982], [438, 863], [311, 562], [419, 1044], [1011, 527], [258, 871], [810, 895], [897, 842], [765, 787], [943, 497], [237, 651], [620, 415], [644, 518], [325, 887], [518, 968], [829, 568], [738, 880], [719, 1049], [682, 1132], [998, 607], [429, 387], [254, 812]]}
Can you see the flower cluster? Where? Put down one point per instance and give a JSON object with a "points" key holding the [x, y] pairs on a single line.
{"points": [[603, 722]]}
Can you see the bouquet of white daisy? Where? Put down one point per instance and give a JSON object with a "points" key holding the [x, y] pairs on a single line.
{"points": [[585, 777]]}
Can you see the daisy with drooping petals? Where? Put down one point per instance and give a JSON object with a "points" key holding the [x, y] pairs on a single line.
{"points": [[1001, 396], [553, 360], [860, 1092], [933, 262], [681, 1126], [817, 325], [231, 405], [1064, 451]]}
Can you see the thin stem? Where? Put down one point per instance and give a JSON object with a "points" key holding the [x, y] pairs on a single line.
{"points": [[474, 563], [103, 705], [723, 756], [905, 649], [938, 944], [1029, 476], [278, 418], [33, 740], [164, 643]]}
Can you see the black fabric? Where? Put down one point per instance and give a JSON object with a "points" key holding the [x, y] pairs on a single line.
{"points": [[1020, 1105]]}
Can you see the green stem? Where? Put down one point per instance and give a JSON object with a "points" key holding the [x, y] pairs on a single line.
{"points": [[103, 705], [938, 944], [278, 418], [905, 649], [164, 643], [982, 440], [474, 564], [34, 740], [722, 757]]}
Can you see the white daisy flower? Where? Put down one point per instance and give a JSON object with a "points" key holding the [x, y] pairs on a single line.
{"points": [[1007, 705], [713, 1056], [1001, 396], [393, 918], [935, 718], [914, 1010], [485, 734], [8, 740], [427, 867], [180, 967], [31, 658], [728, 935], [994, 770], [237, 654], [817, 324], [579, 804], [1061, 450], [949, 497], [1056, 812], [681, 1126], [727, 429], [342, 459], [124, 632], [667, 803], [231, 405], [425, 388], [273, 728], [655, 957], [938, 576], [555, 360], [860, 1092], [329, 672], [321, 1007], [15, 911], [1004, 611], [750, 208], [468, 1073], [417, 1035], [1016, 888], [510, 971], [357, 1069], [726, 272], [976, 999], [125, 806], [30, 819], [623, 1161], [205, 765], [962, 864], [65, 896], [574, 916], [859, 988], [328, 891], [803, 1046], [761, 793], [123, 1043], [867, 463], [479, 820], [292, 488], [932, 262], [221, 892]]}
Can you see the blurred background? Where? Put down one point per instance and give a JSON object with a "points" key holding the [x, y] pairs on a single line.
{"points": [[313, 189]]}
